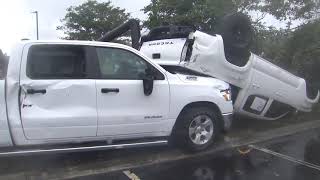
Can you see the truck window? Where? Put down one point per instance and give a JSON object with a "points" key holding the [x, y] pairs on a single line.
{"points": [[56, 62], [121, 64]]}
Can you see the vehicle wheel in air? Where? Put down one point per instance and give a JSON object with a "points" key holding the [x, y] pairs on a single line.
{"points": [[197, 128], [238, 34]]}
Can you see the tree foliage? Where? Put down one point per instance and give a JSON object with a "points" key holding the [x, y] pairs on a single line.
{"points": [[92, 19], [302, 50], [283, 9], [204, 14], [200, 13]]}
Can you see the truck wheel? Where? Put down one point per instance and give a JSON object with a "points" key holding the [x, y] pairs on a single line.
{"points": [[197, 128], [237, 33]]}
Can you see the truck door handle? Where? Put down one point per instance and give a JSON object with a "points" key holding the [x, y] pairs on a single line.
{"points": [[108, 90], [35, 91], [256, 86]]}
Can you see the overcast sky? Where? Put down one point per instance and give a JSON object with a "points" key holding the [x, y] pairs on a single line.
{"points": [[17, 22]]}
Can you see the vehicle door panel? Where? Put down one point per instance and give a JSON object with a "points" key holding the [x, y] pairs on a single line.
{"points": [[63, 111], [56, 107], [129, 111]]}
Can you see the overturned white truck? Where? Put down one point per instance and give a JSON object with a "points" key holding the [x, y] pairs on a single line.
{"points": [[260, 89]]}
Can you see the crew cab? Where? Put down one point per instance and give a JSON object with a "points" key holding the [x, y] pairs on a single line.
{"points": [[58, 93]]}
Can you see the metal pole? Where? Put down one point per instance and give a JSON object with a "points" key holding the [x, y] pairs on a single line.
{"points": [[37, 24]]}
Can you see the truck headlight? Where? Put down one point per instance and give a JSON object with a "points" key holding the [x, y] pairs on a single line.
{"points": [[226, 94]]}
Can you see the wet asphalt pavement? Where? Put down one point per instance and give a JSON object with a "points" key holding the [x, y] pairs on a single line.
{"points": [[297, 157]]}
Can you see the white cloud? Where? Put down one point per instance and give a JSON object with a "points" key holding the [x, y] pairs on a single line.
{"points": [[13, 20]]}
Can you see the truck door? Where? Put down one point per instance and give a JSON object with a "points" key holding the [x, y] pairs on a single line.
{"points": [[57, 96], [123, 108]]}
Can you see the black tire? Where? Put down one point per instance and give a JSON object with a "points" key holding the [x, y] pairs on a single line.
{"points": [[238, 34], [312, 91], [181, 130]]}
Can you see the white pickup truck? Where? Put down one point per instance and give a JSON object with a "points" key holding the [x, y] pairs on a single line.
{"points": [[58, 95], [260, 89]]}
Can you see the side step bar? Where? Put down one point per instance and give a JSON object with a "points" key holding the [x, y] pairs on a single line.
{"points": [[84, 148]]}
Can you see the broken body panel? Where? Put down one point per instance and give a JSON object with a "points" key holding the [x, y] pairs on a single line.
{"points": [[265, 91]]}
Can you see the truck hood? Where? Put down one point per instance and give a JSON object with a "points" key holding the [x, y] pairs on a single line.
{"points": [[201, 81], [193, 77]]}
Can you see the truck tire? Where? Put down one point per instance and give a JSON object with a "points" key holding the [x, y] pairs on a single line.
{"points": [[238, 34], [196, 128]]}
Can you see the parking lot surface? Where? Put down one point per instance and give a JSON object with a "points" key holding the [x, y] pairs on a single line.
{"points": [[291, 138], [288, 158]]}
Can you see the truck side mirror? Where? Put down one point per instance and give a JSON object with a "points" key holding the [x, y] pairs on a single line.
{"points": [[148, 79]]}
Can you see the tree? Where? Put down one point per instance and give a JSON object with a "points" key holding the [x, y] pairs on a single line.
{"points": [[90, 20], [271, 42], [303, 51], [283, 10], [202, 14]]}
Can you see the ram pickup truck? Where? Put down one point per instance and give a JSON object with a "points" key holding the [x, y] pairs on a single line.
{"points": [[62, 93]]}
